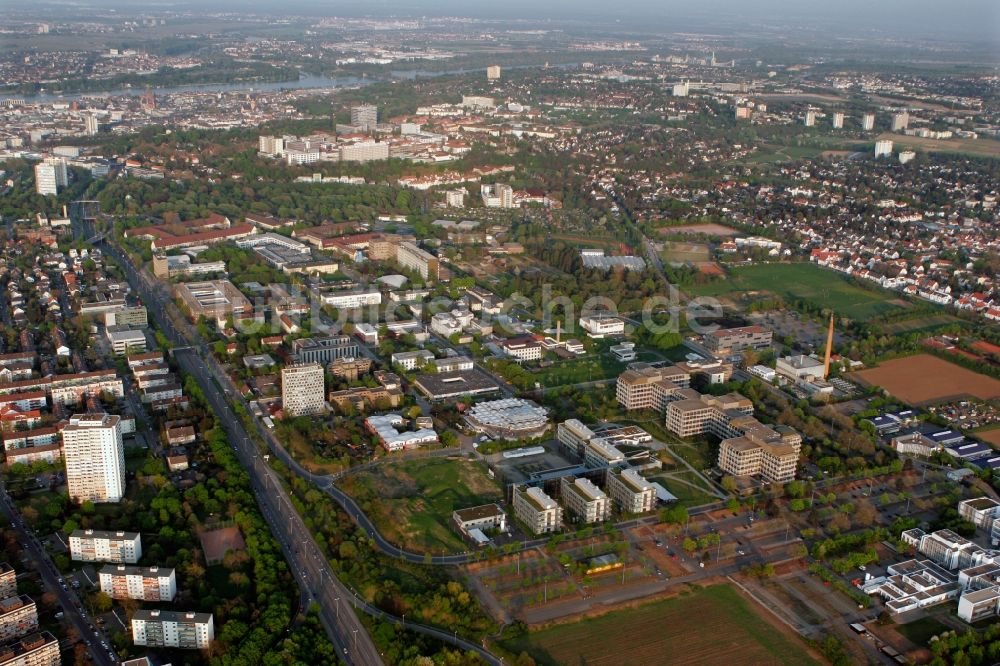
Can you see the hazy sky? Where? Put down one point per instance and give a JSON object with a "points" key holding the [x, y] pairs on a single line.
{"points": [[979, 19]]}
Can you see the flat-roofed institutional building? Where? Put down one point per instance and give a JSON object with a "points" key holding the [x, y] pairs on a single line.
{"points": [[539, 512], [586, 502]]}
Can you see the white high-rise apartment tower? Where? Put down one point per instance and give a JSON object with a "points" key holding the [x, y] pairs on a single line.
{"points": [[493, 73], [50, 175], [868, 122], [95, 458], [900, 121], [302, 390], [364, 116]]}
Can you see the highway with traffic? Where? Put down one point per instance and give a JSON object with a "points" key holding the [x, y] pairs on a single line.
{"points": [[310, 566]]}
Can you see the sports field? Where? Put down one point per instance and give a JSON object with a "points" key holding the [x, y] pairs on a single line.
{"points": [[923, 379], [824, 287], [713, 625]]}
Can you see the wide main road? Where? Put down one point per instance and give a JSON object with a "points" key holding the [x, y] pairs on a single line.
{"points": [[50, 576], [307, 562]]}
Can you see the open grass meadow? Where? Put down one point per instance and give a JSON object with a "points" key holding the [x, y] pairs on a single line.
{"points": [[411, 501], [824, 287], [712, 625]]}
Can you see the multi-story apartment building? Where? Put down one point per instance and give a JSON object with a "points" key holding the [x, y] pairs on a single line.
{"points": [[497, 195], [324, 350], [41, 649], [8, 581], [144, 583], [727, 342], [900, 121], [302, 390], [868, 122], [161, 628], [104, 546], [364, 151], [584, 500], [18, 616], [364, 116], [50, 175], [349, 368], [413, 258], [631, 492], [539, 512], [95, 458], [883, 148]]}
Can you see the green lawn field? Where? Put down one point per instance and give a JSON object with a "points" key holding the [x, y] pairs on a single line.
{"points": [[411, 501], [713, 625], [824, 287]]}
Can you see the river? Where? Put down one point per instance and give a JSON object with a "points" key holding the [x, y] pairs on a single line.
{"points": [[304, 82]]}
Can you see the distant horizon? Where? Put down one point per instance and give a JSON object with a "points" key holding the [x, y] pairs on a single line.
{"points": [[974, 19]]}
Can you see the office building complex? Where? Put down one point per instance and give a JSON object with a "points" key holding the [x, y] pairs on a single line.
{"points": [[95, 458], [645, 387], [748, 448], [302, 390], [104, 546], [585, 501], [539, 512], [324, 350], [161, 628], [41, 649], [631, 492], [144, 583]]}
